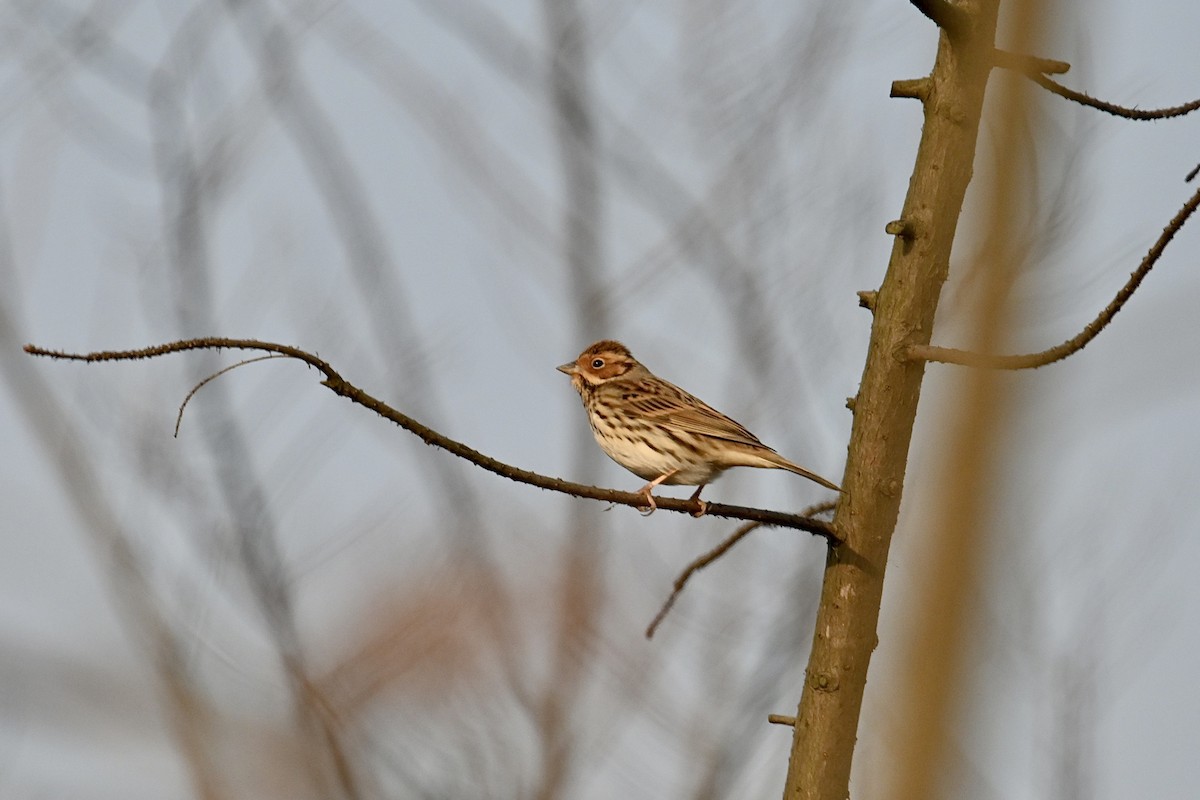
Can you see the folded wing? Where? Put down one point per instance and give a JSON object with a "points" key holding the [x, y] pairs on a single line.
{"points": [[672, 407]]}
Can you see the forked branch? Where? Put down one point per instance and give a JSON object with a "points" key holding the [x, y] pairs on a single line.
{"points": [[949, 355], [337, 384]]}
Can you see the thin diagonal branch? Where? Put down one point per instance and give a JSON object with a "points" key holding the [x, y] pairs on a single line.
{"points": [[1137, 114], [1036, 69], [950, 355], [712, 555], [698, 564], [339, 385]]}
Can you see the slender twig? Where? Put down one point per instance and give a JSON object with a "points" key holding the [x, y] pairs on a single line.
{"points": [[950, 355], [1139, 114], [949, 17], [700, 563], [213, 377], [1036, 69], [338, 385], [712, 555]]}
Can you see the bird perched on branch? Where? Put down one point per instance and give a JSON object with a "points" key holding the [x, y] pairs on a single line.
{"points": [[658, 431]]}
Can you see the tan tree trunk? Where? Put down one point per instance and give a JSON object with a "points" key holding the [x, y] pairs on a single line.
{"points": [[886, 407]]}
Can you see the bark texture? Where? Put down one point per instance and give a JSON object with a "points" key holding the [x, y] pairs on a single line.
{"points": [[886, 406]]}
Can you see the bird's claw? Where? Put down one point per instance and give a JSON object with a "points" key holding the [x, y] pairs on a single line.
{"points": [[701, 508], [650, 506]]}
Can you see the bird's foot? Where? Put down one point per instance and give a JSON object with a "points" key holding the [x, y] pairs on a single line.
{"points": [[701, 506], [650, 506], [649, 487]]}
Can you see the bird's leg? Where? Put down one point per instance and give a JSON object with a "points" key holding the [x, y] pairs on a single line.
{"points": [[645, 492], [701, 506]]}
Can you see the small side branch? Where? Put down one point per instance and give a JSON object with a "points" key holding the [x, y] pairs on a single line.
{"points": [[1027, 64], [1036, 69], [1137, 114], [694, 567], [949, 355], [213, 377], [337, 384], [949, 17], [712, 555]]}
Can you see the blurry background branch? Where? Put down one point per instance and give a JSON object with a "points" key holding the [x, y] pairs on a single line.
{"points": [[125, 567], [933, 685]]}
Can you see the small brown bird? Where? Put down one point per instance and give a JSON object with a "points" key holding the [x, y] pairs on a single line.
{"points": [[658, 431]]}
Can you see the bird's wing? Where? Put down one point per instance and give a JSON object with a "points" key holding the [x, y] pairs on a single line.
{"points": [[672, 407]]}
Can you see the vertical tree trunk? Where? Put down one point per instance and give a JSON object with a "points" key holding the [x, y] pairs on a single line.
{"points": [[886, 406]]}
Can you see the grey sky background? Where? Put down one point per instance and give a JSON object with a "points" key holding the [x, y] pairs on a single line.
{"points": [[395, 204]]}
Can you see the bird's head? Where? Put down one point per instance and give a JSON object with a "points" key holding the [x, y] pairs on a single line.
{"points": [[602, 362]]}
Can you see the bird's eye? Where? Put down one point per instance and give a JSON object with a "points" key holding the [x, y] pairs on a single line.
{"points": [[597, 363]]}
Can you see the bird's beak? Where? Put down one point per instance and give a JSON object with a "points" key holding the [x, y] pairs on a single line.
{"points": [[569, 368]]}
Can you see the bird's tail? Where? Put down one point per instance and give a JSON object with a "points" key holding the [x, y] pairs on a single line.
{"points": [[783, 463]]}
